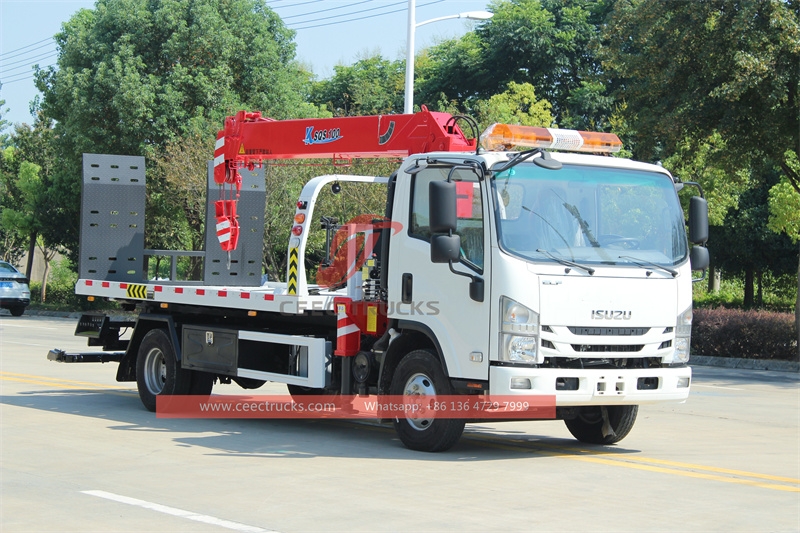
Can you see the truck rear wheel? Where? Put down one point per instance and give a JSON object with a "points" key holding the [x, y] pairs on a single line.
{"points": [[157, 369], [420, 374], [603, 425]]}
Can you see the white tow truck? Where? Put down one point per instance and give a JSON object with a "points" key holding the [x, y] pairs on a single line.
{"points": [[529, 263]]}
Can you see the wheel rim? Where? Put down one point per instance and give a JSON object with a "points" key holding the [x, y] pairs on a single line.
{"points": [[155, 371], [419, 385]]}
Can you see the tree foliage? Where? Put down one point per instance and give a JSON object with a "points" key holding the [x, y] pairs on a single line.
{"points": [[784, 204], [4, 124], [705, 163], [549, 44], [517, 105], [134, 75], [31, 208], [371, 86], [744, 244], [693, 69]]}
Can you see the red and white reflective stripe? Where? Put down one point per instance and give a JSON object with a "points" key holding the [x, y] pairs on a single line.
{"points": [[223, 229], [219, 151], [348, 336], [219, 160]]}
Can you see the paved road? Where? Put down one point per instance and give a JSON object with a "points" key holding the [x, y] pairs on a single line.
{"points": [[80, 453]]}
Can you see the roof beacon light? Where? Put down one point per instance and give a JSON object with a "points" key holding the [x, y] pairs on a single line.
{"points": [[506, 136]]}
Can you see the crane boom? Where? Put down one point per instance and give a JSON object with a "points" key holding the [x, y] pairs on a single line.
{"points": [[249, 139]]}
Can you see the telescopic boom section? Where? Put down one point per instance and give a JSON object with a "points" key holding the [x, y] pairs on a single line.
{"points": [[249, 139]]}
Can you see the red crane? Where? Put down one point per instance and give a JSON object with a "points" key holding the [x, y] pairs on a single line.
{"points": [[250, 139]]}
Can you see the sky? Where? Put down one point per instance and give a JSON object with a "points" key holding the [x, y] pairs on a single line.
{"points": [[328, 32]]}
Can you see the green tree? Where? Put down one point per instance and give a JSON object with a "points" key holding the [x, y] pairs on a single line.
{"points": [[30, 219], [744, 244], [371, 86], [784, 217], [12, 242], [4, 124], [31, 208], [177, 201], [517, 105], [689, 70], [694, 69], [549, 44], [133, 75]]}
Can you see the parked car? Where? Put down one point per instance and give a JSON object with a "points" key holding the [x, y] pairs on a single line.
{"points": [[15, 294]]}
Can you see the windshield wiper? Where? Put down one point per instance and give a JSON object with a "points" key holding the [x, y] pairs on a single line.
{"points": [[642, 263], [564, 262]]}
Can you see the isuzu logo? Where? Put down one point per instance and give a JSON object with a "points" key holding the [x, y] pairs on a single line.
{"points": [[602, 314]]}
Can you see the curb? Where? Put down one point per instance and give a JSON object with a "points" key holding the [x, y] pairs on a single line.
{"points": [[744, 364]]}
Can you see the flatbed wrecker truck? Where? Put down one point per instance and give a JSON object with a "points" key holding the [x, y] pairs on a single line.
{"points": [[555, 271]]}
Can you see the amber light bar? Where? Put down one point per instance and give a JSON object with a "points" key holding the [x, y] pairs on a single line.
{"points": [[506, 136]]}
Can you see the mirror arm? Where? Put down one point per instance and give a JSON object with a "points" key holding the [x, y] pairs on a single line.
{"points": [[697, 185]]}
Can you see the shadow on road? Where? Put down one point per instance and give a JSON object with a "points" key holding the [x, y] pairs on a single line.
{"points": [[271, 438]]}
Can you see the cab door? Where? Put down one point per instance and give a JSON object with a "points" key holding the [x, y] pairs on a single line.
{"points": [[430, 297]]}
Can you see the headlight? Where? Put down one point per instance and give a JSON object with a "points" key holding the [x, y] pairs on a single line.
{"points": [[683, 339], [520, 349], [520, 333]]}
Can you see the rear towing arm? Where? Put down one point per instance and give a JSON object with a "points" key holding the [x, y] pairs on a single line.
{"points": [[99, 330]]}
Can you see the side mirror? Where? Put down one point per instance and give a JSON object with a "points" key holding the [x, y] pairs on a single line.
{"points": [[698, 220], [442, 207], [699, 258], [445, 248]]}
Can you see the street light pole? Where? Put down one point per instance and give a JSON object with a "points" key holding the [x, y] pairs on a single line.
{"points": [[408, 102], [408, 106]]}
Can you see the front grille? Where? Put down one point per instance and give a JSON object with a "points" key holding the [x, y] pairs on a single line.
{"points": [[610, 362], [601, 348], [575, 330]]}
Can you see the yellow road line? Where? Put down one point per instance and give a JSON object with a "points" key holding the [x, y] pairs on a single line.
{"points": [[637, 463], [13, 376], [63, 383], [665, 462], [730, 471]]}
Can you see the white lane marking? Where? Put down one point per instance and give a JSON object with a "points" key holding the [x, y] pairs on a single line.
{"points": [[715, 387], [189, 515]]}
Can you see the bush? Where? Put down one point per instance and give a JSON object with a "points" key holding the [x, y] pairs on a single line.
{"points": [[750, 334], [62, 297]]}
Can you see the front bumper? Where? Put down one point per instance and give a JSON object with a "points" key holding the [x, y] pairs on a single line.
{"points": [[596, 387], [11, 302]]}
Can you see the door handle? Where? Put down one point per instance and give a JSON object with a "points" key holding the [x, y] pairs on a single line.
{"points": [[407, 288]]}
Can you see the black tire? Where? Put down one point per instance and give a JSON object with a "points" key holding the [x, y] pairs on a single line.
{"points": [[202, 383], [420, 371], [17, 310], [588, 425], [157, 370]]}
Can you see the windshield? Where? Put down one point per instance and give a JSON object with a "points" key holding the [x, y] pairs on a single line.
{"points": [[589, 215]]}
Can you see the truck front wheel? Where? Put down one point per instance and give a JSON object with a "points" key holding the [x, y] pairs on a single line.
{"points": [[420, 374], [158, 371], [602, 425]]}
